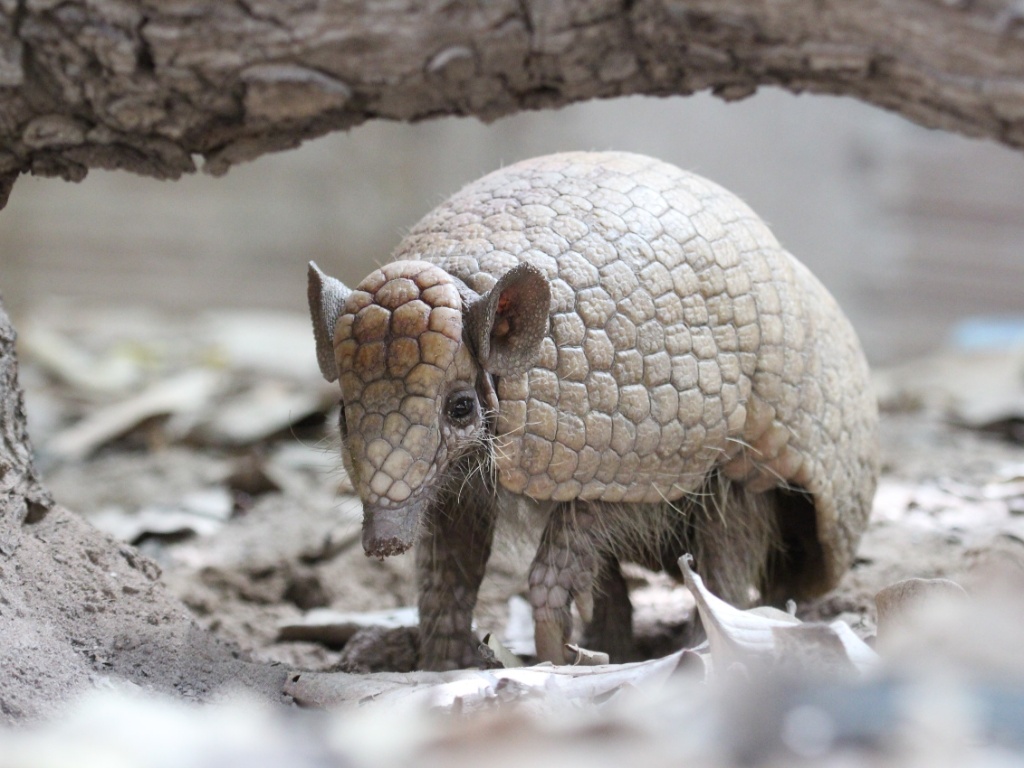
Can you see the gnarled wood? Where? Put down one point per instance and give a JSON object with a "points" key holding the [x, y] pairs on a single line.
{"points": [[21, 495], [77, 608], [147, 85]]}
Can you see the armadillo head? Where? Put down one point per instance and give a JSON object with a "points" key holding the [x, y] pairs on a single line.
{"points": [[414, 351]]}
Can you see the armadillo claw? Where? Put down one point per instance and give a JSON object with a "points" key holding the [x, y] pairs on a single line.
{"points": [[585, 605], [551, 615], [551, 600], [551, 636], [553, 619]]}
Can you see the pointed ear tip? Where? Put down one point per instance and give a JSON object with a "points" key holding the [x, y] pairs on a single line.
{"points": [[541, 278], [533, 269], [526, 272]]}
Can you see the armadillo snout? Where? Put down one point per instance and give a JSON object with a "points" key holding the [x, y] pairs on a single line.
{"points": [[390, 531]]}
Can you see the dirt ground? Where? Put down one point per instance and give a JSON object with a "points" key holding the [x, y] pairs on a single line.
{"points": [[290, 554], [216, 461]]}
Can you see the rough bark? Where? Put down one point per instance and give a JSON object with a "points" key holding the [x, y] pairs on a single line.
{"points": [[21, 495], [78, 609], [149, 85]]}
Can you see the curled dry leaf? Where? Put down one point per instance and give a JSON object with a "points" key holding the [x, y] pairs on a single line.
{"points": [[584, 657], [502, 655], [774, 639]]}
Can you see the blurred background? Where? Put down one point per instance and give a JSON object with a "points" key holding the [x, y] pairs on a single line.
{"points": [[912, 230]]}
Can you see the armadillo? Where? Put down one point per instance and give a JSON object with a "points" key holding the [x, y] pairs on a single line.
{"points": [[622, 350]]}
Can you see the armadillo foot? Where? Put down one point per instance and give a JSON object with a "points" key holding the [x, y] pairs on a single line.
{"points": [[441, 654], [446, 639], [563, 572]]}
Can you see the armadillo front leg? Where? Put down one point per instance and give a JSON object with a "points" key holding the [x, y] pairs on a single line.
{"points": [[563, 571], [450, 563]]}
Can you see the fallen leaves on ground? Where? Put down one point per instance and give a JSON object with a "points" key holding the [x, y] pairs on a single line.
{"points": [[948, 684]]}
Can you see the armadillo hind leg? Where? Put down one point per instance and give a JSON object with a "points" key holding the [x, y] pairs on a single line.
{"points": [[733, 535], [611, 628], [450, 562], [563, 571]]}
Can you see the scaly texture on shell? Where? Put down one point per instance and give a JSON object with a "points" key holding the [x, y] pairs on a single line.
{"points": [[683, 336]]}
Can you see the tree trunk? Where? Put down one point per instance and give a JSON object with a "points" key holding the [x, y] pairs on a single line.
{"points": [[78, 609], [148, 85], [22, 498]]}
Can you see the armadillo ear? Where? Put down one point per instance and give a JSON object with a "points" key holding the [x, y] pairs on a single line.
{"points": [[327, 298], [508, 323]]}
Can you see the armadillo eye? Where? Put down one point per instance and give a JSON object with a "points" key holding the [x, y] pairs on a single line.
{"points": [[460, 407]]}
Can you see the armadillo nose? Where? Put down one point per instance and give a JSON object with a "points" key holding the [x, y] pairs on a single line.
{"points": [[390, 531]]}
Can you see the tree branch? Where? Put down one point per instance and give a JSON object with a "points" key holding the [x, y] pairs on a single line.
{"points": [[147, 85]]}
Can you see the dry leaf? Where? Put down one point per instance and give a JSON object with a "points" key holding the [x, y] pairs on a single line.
{"points": [[502, 655], [184, 394], [752, 638], [265, 342], [519, 637], [334, 628], [68, 361], [584, 657], [200, 512], [266, 408], [470, 689]]}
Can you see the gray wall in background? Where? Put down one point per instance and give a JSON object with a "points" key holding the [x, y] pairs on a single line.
{"points": [[910, 229]]}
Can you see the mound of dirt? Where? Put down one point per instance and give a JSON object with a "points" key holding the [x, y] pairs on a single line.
{"points": [[79, 610]]}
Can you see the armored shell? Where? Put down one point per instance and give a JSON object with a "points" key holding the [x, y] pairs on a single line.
{"points": [[682, 337]]}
